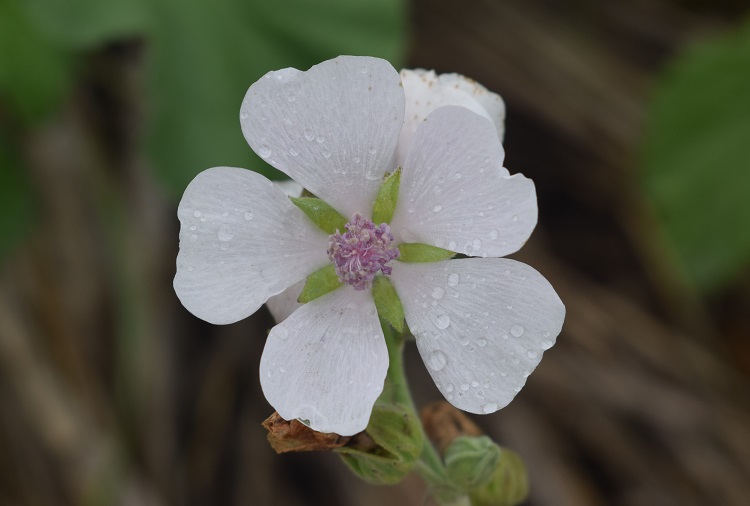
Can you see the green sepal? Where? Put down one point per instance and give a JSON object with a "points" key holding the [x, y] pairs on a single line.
{"points": [[322, 214], [385, 203], [387, 303], [471, 461], [389, 448], [319, 283], [415, 252], [507, 486]]}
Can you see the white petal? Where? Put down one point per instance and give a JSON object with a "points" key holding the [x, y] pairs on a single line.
{"points": [[290, 187], [333, 128], [285, 303], [425, 91], [482, 325], [241, 241], [327, 362], [456, 195]]}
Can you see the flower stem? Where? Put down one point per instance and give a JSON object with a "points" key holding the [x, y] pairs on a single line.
{"points": [[396, 390]]}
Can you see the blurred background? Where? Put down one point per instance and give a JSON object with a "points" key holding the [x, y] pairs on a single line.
{"points": [[631, 116]]}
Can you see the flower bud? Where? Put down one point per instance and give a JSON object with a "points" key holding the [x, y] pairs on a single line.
{"points": [[507, 486], [389, 447], [470, 461]]}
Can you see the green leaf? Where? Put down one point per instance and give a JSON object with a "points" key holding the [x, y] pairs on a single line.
{"points": [[322, 214], [696, 159], [16, 210], [34, 72], [319, 283], [385, 203], [391, 449], [204, 58], [419, 253], [388, 303]]}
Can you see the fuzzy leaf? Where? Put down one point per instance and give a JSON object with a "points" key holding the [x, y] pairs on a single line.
{"points": [[419, 253], [319, 283], [322, 214], [385, 203], [387, 302]]}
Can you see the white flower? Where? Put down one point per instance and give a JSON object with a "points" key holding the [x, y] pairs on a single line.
{"points": [[481, 324]]}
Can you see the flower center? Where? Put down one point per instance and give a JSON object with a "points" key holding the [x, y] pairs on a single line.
{"points": [[362, 251]]}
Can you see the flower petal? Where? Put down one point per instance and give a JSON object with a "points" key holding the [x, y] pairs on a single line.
{"points": [[241, 241], [333, 128], [455, 193], [425, 91], [327, 362], [482, 325], [282, 305]]}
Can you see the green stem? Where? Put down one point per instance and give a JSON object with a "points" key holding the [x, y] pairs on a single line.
{"points": [[430, 465]]}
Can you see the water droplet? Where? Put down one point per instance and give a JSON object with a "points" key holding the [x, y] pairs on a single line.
{"points": [[452, 245], [437, 361], [476, 244], [452, 279], [243, 115], [464, 340], [264, 152], [532, 354], [494, 234], [225, 233], [516, 330], [196, 214], [193, 227], [293, 152], [474, 384], [515, 217], [193, 237], [437, 208], [437, 293], [190, 268], [372, 150], [449, 387], [465, 387], [356, 159], [457, 175], [248, 216], [326, 153], [490, 407], [482, 342], [282, 369], [363, 70], [443, 321], [308, 135], [547, 344], [320, 139], [291, 97]]}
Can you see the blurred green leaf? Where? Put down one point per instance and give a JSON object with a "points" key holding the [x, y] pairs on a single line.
{"points": [[206, 55], [34, 72], [15, 198], [696, 159], [83, 24]]}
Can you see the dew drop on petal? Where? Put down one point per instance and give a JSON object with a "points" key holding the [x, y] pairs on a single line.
{"points": [[437, 293], [437, 208], [437, 361], [532, 354], [494, 234], [243, 115], [517, 330], [482, 342], [248, 216], [293, 152], [197, 213], [515, 217], [465, 387], [281, 333], [547, 344], [452, 245], [308, 135], [490, 407], [449, 387], [225, 233], [443, 321], [452, 279], [264, 152]]}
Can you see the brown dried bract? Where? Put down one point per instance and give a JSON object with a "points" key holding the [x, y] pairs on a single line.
{"points": [[443, 423], [294, 436]]}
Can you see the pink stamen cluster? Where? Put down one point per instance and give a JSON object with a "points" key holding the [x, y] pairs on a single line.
{"points": [[362, 251]]}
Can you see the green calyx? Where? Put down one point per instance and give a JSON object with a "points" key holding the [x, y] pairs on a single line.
{"points": [[388, 303], [390, 447], [319, 283], [322, 214], [385, 203], [507, 485], [470, 461], [420, 253]]}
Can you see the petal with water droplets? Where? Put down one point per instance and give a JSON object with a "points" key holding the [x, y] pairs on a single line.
{"points": [[456, 195], [326, 363], [332, 129], [485, 332], [241, 241]]}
